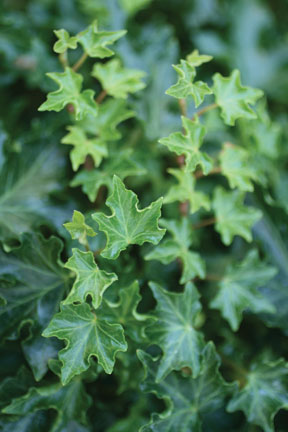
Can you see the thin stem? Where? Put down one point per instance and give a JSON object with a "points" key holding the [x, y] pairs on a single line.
{"points": [[205, 109], [80, 62], [63, 58], [204, 223], [183, 107], [200, 174], [101, 96]]}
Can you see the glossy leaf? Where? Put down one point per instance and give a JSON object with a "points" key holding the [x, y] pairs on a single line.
{"points": [[127, 224], [65, 41], [86, 335], [90, 280]]}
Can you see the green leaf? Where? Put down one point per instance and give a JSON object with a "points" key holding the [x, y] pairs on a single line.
{"points": [[175, 332], [125, 312], [169, 250], [90, 281], [189, 145], [65, 41], [122, 165], [71, 403], [94, 42], [232, 216], [127, 224], [32, 282], [265, 393], [238, 289], [195, 59], [188, 399], [185, 191], [236, 166], [185, 85], [69, 92], [86, 335], [233, 98], [78, 229], [84, 146], [116, 80]]}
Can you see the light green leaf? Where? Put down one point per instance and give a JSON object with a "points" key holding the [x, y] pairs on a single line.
{"points": [[175, 331], [94, 42], [189, 145], [236, 166], [238, 289], [65, 41], [265, 393], [86, 335], [84, 146], [119, 163], [169, 250], [78, 229], [185, 85], [185, 191], [233, 98], [195, 59], [232, 216], [90, 279], [125, 312], [118, 81], [127, 224], [71, 403], [188, 399], [69, 92]]}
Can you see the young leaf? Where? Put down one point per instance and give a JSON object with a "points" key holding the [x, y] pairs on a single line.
{"points": [[175, 331], [169, 250], [233, 98], [64, 42], [71, 403], [84, 146], [188, 399], [195, 59], [127, 224], [232, 217], [86, 335], [94, 42], [189, 145], [116, 80], [185, 85], [69, 92], [235, 165], [185, 191], [265, 393], [90, 279], [238, 289], [78, 229]]}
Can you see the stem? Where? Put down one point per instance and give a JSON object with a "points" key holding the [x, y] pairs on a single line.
{"points": [[204, 223], [200, 174], [205, 109], [80, 62], [63, 58], [101, 96], [183, 107]]}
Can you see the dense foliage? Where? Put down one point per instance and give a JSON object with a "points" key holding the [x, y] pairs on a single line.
{"points": [[143, 217]]}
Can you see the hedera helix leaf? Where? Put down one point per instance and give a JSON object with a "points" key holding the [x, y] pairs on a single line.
{"points": [[169, 250], [69, 92], [127, 224], [238, 289], [188, 399], [185, 85], [232, 216], [195, 59], [189, 145], [90, 279], [84, 146], [185, 191], [78, 228], [86, 334], [264, 394], [175, 332], [233, 98], [65, 41], [71, 403], [94, 42], [116, 80]]}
